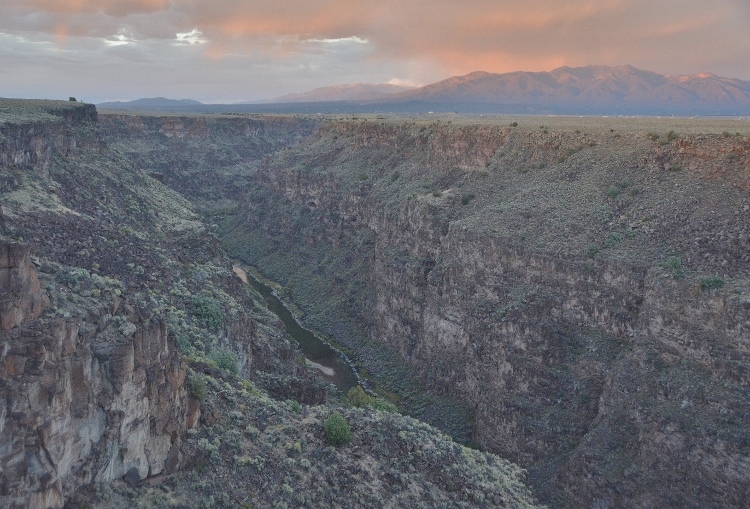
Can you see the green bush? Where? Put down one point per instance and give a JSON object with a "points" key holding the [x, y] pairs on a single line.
{"points": [[357, 397], [466, 198], [208, 312], [673, 265], [382, 405], [613, 239], [196, 387], [613, 192], [671, 136], [225, 360], [712, 283], [337, 430]]}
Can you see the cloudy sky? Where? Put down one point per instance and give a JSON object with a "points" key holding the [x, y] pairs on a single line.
{"points": [[237, 50]]}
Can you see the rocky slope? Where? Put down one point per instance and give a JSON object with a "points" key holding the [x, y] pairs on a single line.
{"points": [[137, 370], [584, 290]]}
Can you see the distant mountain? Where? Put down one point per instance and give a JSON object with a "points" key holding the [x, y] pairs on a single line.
{"points": [[150, 104], [352, 92], [591, 89]]}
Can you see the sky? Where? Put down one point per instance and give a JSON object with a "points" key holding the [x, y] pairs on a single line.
{"points": [[244, 50]]}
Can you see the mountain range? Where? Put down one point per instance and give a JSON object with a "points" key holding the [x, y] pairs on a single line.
{"points": [[594, 89], [159, 103], [349, 92]]}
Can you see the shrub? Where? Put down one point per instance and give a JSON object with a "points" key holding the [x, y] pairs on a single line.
{"points": [[514, 124], [225, 360], [673, 265], [711, 283], [196, 387], [382, 405], [652, 136], [613, 192], [437, 194], [613, 239], [337, 430], [593, 250], [357, 397], [671, 136], [466, 198], [208, 312]]}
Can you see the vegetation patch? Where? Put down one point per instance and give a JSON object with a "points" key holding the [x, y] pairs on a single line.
{"points": [[337, 430]]}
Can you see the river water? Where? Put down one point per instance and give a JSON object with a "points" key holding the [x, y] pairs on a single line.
{"points": [[330, 364]]}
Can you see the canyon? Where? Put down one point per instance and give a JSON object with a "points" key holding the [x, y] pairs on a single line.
{"points": [[584, 292], [569, 294], [137, 369]]}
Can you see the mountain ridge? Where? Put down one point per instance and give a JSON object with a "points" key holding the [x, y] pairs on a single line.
{"points": [[150, 102], [345, 92], [592, 87], [589, 90]]}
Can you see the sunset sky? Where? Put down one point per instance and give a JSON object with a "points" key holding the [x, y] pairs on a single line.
{"points": [[238, 50]]}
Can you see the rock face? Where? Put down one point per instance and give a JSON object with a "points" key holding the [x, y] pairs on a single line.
{"points": [[21, 297], [85, 401], [612, 372], [34, 142]]}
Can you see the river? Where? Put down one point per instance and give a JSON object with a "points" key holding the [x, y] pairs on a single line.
{"points": [[331, 364]]}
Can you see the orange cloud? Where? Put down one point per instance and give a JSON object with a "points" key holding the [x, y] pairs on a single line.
{"points": [[111, 7], [493, 35]]}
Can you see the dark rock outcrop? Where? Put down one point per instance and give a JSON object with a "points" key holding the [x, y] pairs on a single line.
{"points": [[21, 297], [83, 400]]}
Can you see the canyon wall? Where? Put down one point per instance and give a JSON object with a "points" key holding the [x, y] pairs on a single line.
{"points": [[85, 400], [35, 141], [586, 293], [92, 379]]}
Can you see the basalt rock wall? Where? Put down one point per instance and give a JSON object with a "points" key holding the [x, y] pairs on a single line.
{"points": [[34, 144], [616, 379], [86, 400]]}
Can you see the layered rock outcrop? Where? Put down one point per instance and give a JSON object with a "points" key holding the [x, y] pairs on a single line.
{"points": [[86, 400], [21, 296], [34, 142]]}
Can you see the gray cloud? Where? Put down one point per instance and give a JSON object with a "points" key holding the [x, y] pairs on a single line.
{"points": [[257, 49]]}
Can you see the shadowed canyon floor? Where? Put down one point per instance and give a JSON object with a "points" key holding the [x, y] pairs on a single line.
{"points": [[572, 294]]}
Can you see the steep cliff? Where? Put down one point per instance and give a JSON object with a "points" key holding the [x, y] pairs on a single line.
{"points": [[584, 289], [86, 400], [32, 133], [204, 157]]}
